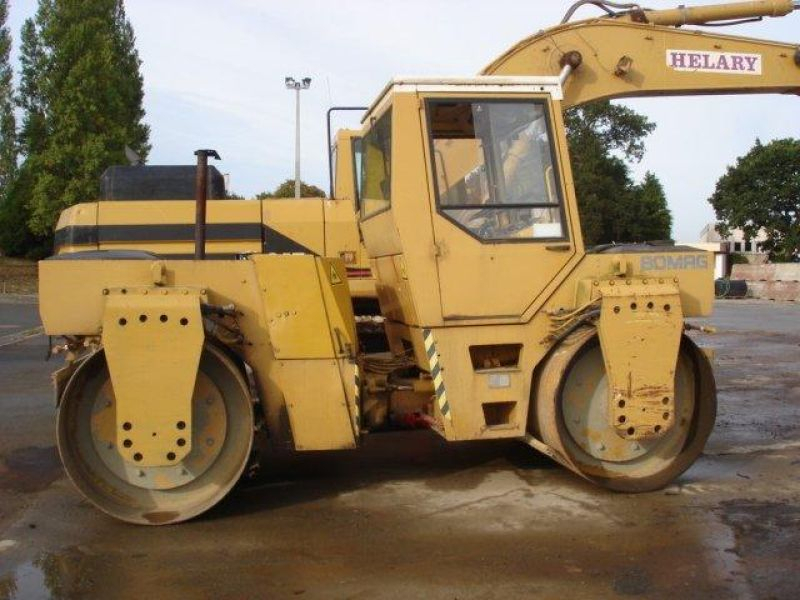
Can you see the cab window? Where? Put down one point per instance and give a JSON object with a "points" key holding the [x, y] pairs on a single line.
{"points": [[494, 168], [375, 164], [357, 156]]}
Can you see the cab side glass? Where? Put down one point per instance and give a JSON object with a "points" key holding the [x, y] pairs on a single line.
{"points": [[494, 168], [334, 166], [357, 161], [375, 189]]}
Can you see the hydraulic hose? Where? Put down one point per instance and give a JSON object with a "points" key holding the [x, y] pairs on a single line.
{"points": [[605, 5]]}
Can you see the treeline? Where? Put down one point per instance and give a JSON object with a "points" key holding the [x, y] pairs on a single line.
{"points": [[80, 104]]}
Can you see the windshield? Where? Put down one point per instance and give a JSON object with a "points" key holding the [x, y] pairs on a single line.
{"points": [[494, 168]]}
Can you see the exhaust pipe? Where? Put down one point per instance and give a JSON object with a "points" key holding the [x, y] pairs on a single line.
{"points": [[201, 199]]}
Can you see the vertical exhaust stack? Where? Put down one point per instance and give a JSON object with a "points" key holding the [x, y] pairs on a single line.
{"points": [[201, 199]]}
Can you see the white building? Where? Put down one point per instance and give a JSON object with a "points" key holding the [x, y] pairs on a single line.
{"points": [[723, 247], [737, 244]]}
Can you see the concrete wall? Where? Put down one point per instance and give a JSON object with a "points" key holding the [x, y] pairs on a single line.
{"points": [[772, 282]]}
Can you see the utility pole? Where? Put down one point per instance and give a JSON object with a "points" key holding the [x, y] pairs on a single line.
{"points": [[297, 86]]}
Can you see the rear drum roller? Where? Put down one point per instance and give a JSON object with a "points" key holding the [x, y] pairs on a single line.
{"points": [[570, 414], [222, 435]]}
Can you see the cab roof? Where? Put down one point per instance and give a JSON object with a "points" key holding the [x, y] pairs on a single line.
{"points": [[461, 85]]}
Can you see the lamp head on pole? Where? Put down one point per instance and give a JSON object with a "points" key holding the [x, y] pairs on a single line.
{"points": [[294, 84]]}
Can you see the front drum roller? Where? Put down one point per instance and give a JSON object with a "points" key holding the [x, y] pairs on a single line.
{"points": [[222, 436], [570, 415]]}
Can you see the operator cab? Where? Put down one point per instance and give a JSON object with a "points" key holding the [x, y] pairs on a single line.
{"points": [[464, 205]]}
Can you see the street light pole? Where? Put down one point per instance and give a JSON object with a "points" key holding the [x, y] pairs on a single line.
{"points": [[297, 143], [297, 86]]}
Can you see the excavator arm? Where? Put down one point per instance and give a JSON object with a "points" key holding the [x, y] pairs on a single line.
{"points": [[640, 52]]}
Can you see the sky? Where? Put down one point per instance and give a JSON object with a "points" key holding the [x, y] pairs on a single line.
{"points": [[214, 77]]}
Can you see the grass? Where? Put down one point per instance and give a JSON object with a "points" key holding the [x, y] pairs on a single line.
{"points": [[17, 276]]}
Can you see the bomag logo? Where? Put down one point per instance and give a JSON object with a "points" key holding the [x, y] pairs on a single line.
{"points": [[677, 262]]}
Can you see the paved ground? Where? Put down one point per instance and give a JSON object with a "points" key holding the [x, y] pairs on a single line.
{"points": [[411, 517], [17, 314]]}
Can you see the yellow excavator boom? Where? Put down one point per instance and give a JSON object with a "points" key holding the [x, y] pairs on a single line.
{"points": [[647, 53]]}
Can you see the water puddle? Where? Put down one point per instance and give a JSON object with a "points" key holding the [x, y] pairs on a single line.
{"points": [[28, 581], [50, 577], [765, 539], [725, 566]]}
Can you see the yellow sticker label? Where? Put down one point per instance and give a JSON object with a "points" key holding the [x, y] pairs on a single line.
{"points": [[335, 279]]}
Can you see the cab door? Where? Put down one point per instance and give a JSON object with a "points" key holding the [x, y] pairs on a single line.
{"points": [[501, 229]]}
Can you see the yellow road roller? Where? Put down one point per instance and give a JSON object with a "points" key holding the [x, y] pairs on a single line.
{"points": [[498, 322]]}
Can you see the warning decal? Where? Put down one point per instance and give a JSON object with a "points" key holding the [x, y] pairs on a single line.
{"points": [[335, 278]]}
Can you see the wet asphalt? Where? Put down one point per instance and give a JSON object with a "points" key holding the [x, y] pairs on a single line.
{"points": [[409, 516]]}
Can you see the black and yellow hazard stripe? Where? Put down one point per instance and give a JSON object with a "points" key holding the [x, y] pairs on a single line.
{"points": [[357, 377], [436, 373]]}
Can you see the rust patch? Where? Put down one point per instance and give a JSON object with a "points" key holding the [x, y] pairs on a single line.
{"points": [[161, 517], [30, 469], [652, 390]]}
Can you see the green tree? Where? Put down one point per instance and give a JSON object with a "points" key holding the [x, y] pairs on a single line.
{"points": [[8, 124], [286, 190], [762, 192], [86, 73], [602, 137], [618, 128], [16, 238], [650, 218], [29, 97], [13, 226]]}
